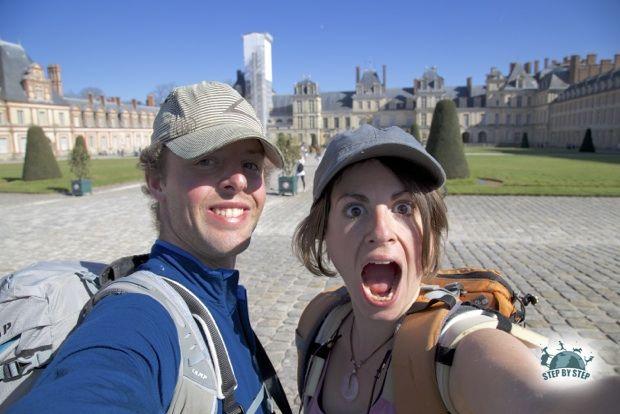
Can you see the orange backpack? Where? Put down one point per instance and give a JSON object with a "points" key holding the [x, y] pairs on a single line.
{"points": [[425, 339]]}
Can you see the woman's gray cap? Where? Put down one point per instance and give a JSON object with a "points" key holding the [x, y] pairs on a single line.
{"points": [[198, 119], [369, 142]]}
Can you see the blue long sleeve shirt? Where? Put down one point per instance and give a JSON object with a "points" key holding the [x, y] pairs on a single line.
{"points": [[125, 356]]}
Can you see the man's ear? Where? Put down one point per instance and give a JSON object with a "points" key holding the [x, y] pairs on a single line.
{"points": [[156, 185]]}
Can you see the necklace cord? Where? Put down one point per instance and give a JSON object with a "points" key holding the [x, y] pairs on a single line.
{"points": [[357, 365]]}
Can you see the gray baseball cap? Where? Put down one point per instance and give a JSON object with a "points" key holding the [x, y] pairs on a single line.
{"points": [[369, 142], [198, 119]]}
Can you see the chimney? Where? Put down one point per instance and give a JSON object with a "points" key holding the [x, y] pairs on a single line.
{"points": [[53, 72], [469, 86], [546, 63], [591, 59], [117, 100], [150, 100], [512, 66], [357, 74], [384, 72], [536, 67], [528, 67], [617, 61], [573, 68], [90, 99], [102, 100], [134, 104]]}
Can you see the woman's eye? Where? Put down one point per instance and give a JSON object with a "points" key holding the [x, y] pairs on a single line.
{"points": [[403, 208], [353, 211]]}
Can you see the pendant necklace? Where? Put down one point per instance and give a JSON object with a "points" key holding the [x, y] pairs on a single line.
{"points": [[349, 389]]}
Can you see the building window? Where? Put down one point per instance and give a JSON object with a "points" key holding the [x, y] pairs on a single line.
{"points": [[42, 118], [4, 145], [518, 119], [424, 123], [336, 122], [519, 101], [424, 102], [508, 120], [325, 123], [20, 117], [347, 122], [529, 119], [299, 106], [529, 101], [367, 104], [61, 117], [311, 106], [483, 119], [300, 122], [312, 122], [22, 144], [91, 141], [466, 120]]}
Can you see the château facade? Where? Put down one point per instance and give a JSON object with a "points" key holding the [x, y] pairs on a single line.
{"points": [[29, 97], [553, 104]]}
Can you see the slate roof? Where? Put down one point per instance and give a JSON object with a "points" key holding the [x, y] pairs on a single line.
{"points": [[518, 72], [369, 78], [592, 85], [83, 104]]}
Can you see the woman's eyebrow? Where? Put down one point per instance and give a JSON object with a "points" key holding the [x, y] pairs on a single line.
{"points": [[400, 193], [359, 197]]}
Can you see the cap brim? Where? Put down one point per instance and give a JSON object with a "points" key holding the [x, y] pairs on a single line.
{"points": [[204, 141], [434, 173]]}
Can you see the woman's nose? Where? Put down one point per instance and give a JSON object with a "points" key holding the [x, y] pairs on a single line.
{"points": [[381, 227]]}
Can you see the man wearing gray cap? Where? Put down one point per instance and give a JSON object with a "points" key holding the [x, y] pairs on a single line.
{"points": [[204, 171]]}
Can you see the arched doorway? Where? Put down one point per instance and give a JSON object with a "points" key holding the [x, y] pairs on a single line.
{"points": [[482, 137]]}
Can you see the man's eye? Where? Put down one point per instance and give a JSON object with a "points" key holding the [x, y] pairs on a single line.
{"points": [[251, 166], [353, 210], [205, 162], [403, 208]]}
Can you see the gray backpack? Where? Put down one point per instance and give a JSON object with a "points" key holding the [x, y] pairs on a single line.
{"points": [[41, 304]]}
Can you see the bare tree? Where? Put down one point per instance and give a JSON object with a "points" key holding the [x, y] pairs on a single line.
{"points": [[91, 89], [161, 91]]}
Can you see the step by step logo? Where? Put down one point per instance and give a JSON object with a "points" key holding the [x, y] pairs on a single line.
{"points": [[565, 363]]}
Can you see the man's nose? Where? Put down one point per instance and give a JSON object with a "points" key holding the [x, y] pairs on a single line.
{"points": [[235, 182], [381, 227]]}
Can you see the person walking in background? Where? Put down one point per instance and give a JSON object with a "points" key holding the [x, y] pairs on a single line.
{"points": [[300, 172]]}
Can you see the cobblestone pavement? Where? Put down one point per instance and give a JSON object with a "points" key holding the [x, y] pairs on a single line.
{"points": [[564, 250]]}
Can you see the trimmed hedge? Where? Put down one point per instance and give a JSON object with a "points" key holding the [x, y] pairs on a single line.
{"points": [[587, 145], [444, 141], [39, 161], [80, 159]]}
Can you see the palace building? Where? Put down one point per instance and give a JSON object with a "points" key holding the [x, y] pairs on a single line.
{"points": [[29, 96]]}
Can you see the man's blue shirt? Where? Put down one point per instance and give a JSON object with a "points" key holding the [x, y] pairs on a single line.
{"points": [[124, 357]]}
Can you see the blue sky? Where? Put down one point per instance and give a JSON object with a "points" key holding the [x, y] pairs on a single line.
{"points": [[126, 48]]}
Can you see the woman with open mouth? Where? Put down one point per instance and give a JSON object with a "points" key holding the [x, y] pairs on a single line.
{"points": [[378, 218]]}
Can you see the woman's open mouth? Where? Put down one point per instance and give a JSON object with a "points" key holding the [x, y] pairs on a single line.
{"points": [[380, 281]]}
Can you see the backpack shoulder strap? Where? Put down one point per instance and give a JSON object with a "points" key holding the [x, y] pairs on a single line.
{"points": [[316, 326], [206, 373]]}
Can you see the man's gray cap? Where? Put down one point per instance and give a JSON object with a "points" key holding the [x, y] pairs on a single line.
{"points": [[368, 142], [198, 119]]}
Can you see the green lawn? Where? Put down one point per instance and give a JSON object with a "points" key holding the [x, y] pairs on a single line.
{"points": [[102, 172], [539, 172], [522, 172]]}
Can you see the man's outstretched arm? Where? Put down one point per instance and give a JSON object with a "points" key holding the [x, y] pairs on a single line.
{"points": [[124, 358]]}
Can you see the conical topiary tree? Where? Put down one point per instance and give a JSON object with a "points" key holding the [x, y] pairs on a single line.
{"points": [[79, 159], [415, 131], [587, 145], [39, 162], [291, 152], [444, 141], [525, 143]]}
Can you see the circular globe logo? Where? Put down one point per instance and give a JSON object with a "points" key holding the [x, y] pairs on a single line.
{"points": [[567, 359]]}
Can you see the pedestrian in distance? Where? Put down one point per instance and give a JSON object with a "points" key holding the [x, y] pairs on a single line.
{"points": [[386, 342], [204, 172], [300, 172]]}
